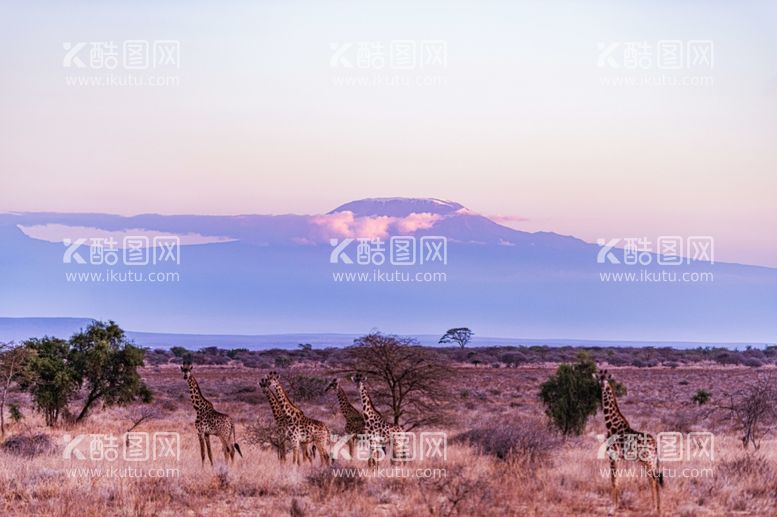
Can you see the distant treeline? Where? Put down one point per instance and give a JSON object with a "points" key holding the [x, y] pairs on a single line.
{"points": [[496, 356]]}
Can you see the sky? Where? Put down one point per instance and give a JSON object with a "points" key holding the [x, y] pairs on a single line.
{"points": [[284, 107]]}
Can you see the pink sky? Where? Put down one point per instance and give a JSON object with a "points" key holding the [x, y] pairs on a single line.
{"points": [[518, 124]]}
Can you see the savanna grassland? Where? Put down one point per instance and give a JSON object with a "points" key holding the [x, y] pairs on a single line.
{"points": [[511, 464]]}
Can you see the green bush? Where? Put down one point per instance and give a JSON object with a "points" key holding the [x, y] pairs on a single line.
{"points": [[701, 397], [572, 395]]}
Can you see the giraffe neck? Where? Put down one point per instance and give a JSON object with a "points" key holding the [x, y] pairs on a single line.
{"points": [[288, 407], [613, 418], [199, 402], [370, 413], [275, 406], [345, 405]]}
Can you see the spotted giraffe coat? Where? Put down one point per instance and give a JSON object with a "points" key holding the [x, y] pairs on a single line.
{"points": [[625, 443], [210, 422], [301, 429], [379, 432]]}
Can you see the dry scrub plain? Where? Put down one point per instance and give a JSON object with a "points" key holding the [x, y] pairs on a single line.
{"points": [[545, 476]]}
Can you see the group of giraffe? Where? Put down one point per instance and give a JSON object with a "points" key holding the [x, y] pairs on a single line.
{"points": [[305, 435]]}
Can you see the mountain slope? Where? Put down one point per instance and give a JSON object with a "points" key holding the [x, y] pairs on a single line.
{"points": [[276, 276]]}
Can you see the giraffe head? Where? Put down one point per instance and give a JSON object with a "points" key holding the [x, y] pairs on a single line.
{"points": [[186, 368], [332, 385], [274, 381], [603, 378], [358, 378], [264, 383]]}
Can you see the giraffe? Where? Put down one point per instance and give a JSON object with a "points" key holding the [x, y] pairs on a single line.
{"points": [[281, 422], [301, 429], [623, 442], [209, 421], [378, 431], [354, 420]]}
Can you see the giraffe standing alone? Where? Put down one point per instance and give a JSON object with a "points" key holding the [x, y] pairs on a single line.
{"points": [[281, 421], [625, 443], [379, 432], [354, 421], [301, 429], [209, 421]]}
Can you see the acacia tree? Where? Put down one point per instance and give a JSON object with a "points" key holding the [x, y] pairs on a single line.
{"points": [[106, 364], [412, 380], [100, 361], [461, 336], [12, 359]]}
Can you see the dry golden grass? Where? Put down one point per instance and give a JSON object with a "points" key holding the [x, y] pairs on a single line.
{"points": [[566, 481]]}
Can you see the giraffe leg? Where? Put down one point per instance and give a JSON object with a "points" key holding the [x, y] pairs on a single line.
{"points": [[614, 484], [656, 490], [351, 446], [653, 473], [207, 443], [296, 453], [202, 448], [323, 452], [225, 448], [375, 446]]}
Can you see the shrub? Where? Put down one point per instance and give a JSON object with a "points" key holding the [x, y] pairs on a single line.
{"points": [[265, 433], [306, 387], [513, 358], [232, 354], [571, 395], [29, 445], [248, 394], [742, 467], [327, 484], [701, 397], [752, 409], [15, 413], [526, 441], [282, 361], [180, 352]]}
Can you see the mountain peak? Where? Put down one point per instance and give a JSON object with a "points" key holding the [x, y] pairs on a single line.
{"points": [[398, 206]]}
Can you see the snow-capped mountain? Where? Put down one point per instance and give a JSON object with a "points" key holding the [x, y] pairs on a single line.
{"points": [[398, 207], [265, 274]]}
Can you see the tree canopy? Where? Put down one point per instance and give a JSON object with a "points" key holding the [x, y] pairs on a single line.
{"points": [[460, 335], [99, 361]]}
